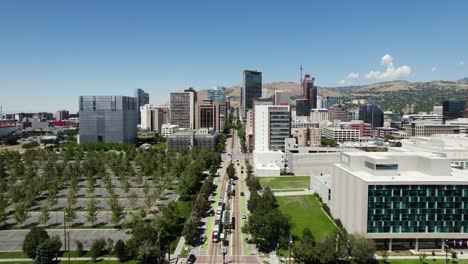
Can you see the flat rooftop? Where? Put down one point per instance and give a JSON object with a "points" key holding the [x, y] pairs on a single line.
{"points": [[398, 168]]}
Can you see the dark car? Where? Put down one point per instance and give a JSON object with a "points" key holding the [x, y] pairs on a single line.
{"points": [[191, 259]]}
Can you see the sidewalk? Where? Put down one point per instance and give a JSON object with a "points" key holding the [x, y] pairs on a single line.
{"points": [[61, 258]]}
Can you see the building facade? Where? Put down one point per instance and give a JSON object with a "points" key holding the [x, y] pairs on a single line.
{"points": [[340, 134], [108, 119], [207, 115], [142, 99], [401, 200], [182, 107], [152, 118], [453, 109], [371, 114], [272, 127]]}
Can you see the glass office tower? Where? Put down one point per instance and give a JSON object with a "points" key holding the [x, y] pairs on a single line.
{"points": [[251, 90]]}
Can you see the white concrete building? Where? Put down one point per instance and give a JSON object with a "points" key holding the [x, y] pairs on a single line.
{"points": [[402, 200], [340, 134], [319, 115], [452, 146], [271, 128], [168, 129]]}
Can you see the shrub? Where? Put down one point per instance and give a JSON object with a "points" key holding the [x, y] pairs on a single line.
{"points": [[79, 248], [120, 250], [97, 248], [33, 239]]}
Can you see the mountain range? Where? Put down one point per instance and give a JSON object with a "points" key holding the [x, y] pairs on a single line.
{"points": [[392, 95]]}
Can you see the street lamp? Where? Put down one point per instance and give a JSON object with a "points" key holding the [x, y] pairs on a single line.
{"points": [[446, 247], [289, 249]]}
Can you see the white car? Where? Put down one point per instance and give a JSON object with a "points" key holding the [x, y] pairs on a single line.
{"points": [[244, 216]]}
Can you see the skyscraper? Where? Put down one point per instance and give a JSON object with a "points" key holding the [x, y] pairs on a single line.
{"points": [[108, 119], [142, 99], [453, 109], [251, 89], [183, 108], [310, 91], [371, 114]]}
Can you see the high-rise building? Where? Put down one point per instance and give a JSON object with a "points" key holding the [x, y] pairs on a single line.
{"points": [[271, 127], [371, 114], [338, 112], [251, 90], [108, 119], [310, 92], [302, 107], [183, 108], [152, 117], [319, 115], [62, 115], [282, 97], [218, 94], [453, 109], [330, 101], [142, 99], [207, 115]]}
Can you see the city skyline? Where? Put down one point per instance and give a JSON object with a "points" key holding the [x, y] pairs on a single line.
{"points": [[57, 51]]}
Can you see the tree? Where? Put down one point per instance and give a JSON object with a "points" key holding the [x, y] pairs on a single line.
{"points": [[305, 252], [92, 211], [21, 213], [362, 249], [120, 250], [79, 248], [36, 236], [190, 231], [231, 171], [70, 214], [97, 248], [44, 215], [422, 258], [48, 250], [133, 199], [385, 257], [117, 210]]}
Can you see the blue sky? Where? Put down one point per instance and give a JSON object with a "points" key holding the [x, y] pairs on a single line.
{"points": [[53, 51]]}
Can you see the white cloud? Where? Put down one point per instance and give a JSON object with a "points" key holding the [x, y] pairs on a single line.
{"points": [[343, 82], [462, 63], [434, 68], [353, 76], [391, 73]]}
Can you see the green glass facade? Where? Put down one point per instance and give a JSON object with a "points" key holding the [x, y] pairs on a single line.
{"points": [[417, 209]]}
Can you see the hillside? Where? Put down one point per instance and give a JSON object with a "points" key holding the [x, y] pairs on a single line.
{"points": [[390, 95]]}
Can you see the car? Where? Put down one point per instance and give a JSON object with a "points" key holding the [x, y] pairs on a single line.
{"points": [[191, 259], [244, 216], [242, 193]]}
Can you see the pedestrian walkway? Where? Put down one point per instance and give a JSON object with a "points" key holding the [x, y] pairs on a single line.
{"points": [[179, 247], [62, 258], [274, 258], [305, 192]]}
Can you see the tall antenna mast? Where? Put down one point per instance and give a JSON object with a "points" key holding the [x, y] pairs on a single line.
{"points": [[301, 74]]}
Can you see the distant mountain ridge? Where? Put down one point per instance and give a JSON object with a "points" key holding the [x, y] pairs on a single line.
{"points": [[392, 95]]}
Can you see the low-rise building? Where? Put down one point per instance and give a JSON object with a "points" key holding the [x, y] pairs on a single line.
{"points": [[168, 129], [340, 134], [424, 129], [401, 200], [185, 139]]}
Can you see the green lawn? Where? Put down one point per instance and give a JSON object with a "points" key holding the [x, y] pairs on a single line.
{"points": [[185, 208], [285, 182], [427, 261], [16, 254], [306, 211]]}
